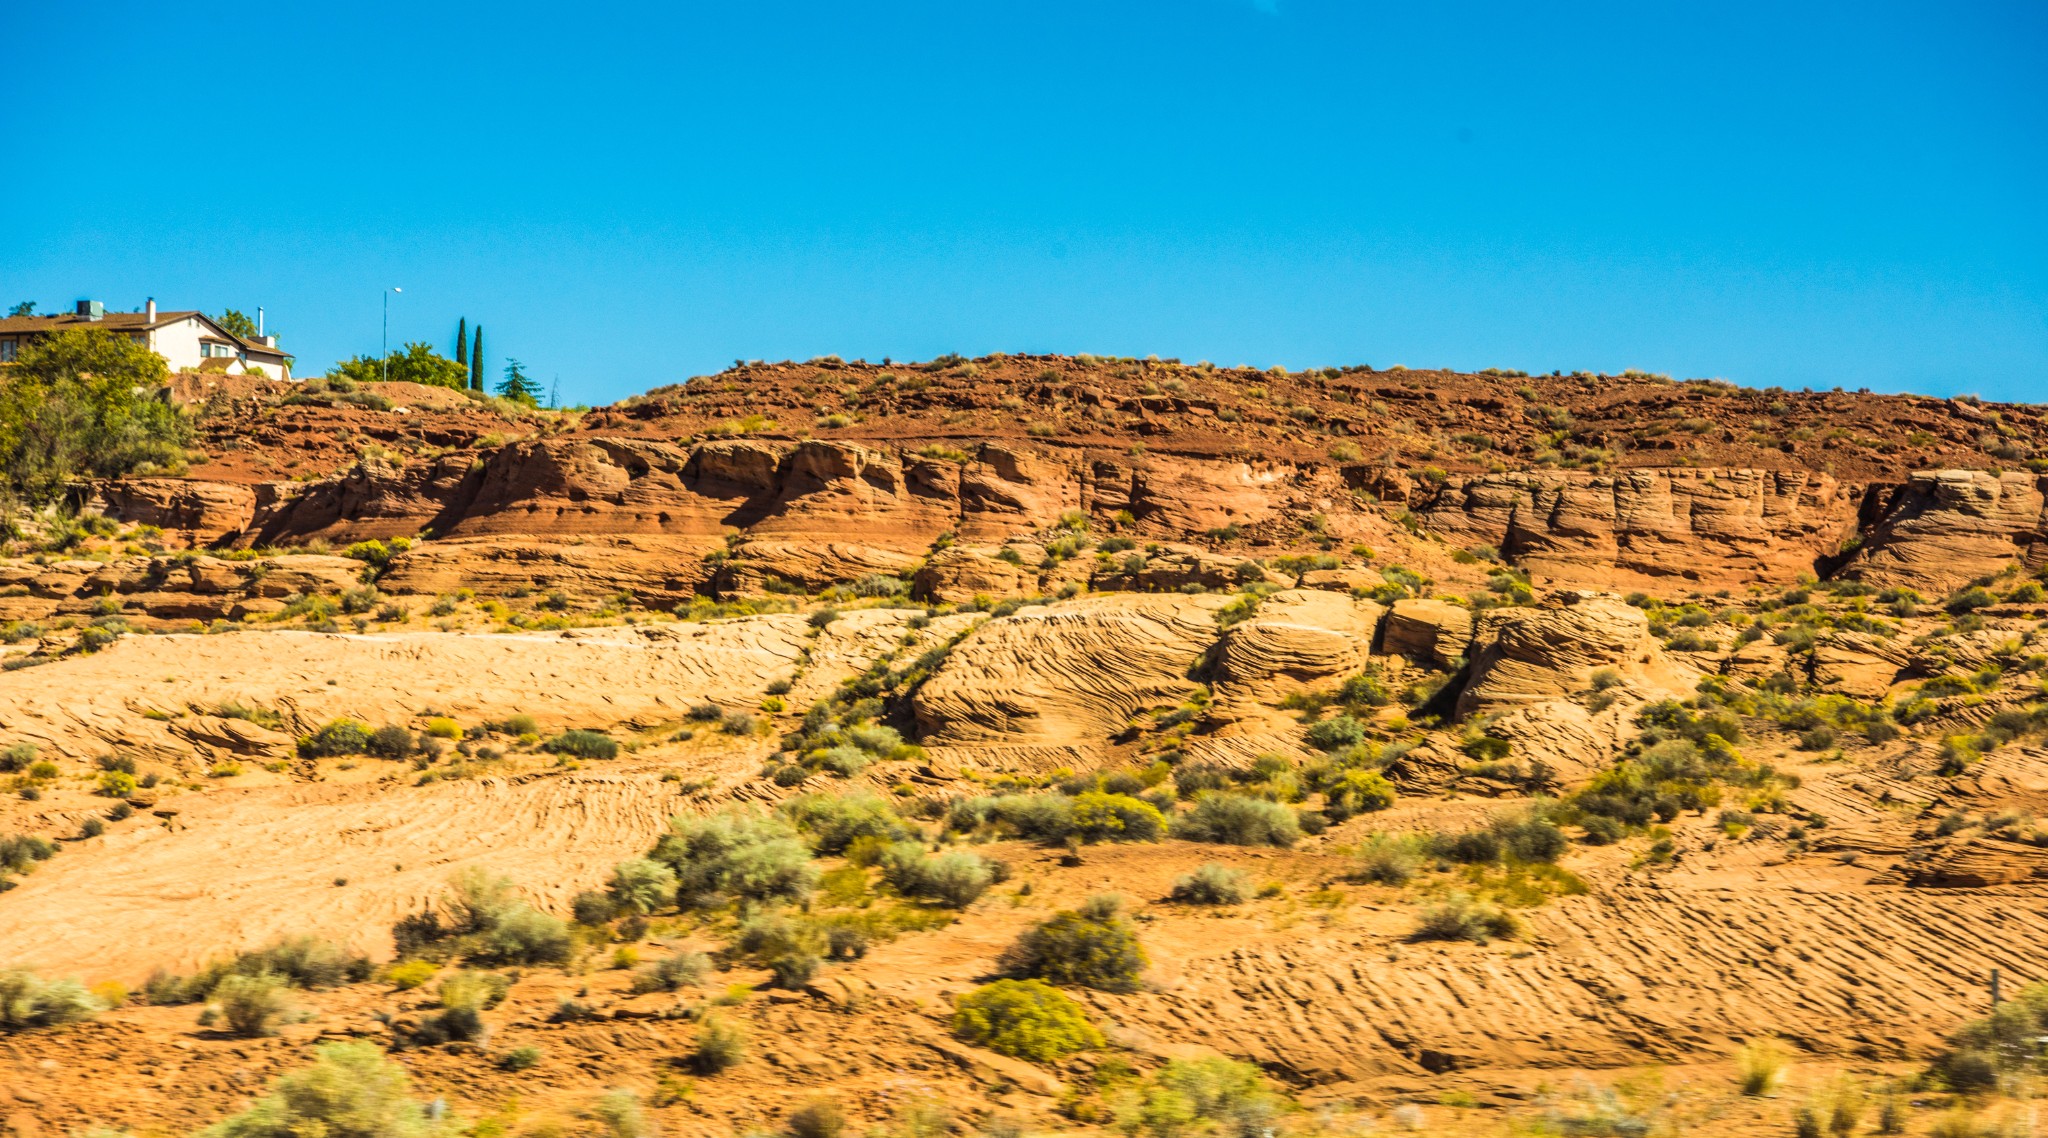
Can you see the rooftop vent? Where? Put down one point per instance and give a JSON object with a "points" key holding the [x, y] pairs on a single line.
{"points": [[92, 309]]}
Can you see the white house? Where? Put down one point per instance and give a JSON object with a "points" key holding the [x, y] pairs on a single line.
{"points": [[188, 341]]}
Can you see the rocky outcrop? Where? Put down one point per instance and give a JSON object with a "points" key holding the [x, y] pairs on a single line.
{"points": [[1299, 639], [1526, 656], [1945, 527], [189, 512], [178, 587], [958, 574], [1648, 526], [1427, 632], [1067, 675]]}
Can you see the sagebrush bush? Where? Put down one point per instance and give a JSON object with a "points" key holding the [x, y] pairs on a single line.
{"points": [[834, 822], [1353, 792], [29, 1001], [1093, 947], [1025, 1019], [737, 855], [1234, 819], [583, 745], [352, 1090], [250, 1006], [955, 880], [338, 737], [1460, 917], [672, 972], [1983, 1051], [1096, 816], [1760, 1066], [642, 885], [818, 1118], [525, 935], [720, 1047], [1212, 884], [1387, 859]]}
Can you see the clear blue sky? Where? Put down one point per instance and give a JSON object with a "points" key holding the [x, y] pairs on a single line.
{"points": [[1777, 193]]}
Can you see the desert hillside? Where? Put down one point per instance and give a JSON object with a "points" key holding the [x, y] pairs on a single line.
{"points": [[1035, 744]]}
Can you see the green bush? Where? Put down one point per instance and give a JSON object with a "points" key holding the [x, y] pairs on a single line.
{"points": [[525, 935], [642, 885], [1096, 816], [1237, 820], [28, 1001], [834, 822], [720, 1047], [1093, 947], [672, 972], [351, 1091], [1353, 792], [390, 742], [250, 1006], [955, 880], [583, 745], [1025, 1019], [1212, 884], [1984, 1051], [300, 962], [339, 737], [1335, 733], [737, 855], [1460, 917], [1213, 1095]]}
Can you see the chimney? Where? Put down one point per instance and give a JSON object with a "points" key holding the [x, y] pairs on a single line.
{"points": [[91, 309], [149, 310], [259, 322]]}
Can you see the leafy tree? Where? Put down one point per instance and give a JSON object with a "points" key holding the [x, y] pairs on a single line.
{"points": [[82, 401], [462, 342], [417, 363], [476, 361], [237, 323], [517, 386], [25, 308]]}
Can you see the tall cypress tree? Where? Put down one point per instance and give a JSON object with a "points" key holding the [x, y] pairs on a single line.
{"points": [[462, 341], [476, 361]]}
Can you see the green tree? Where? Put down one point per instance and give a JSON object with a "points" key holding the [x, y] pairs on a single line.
{"points": [[25, 308], [418, 363], [462, 342], [82, 401], [476, 361], [517, 386], [237, 324]]}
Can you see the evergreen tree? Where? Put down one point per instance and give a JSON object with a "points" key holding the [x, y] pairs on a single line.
{"points": [[462, 341], [517, 386], [476, 361]]}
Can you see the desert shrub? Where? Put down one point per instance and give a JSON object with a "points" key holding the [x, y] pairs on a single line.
{"points": [[28, 1001], [1335, 733], [2004, 1043], [1025, 1019], [595, 907], [352, 1090], [739, 723], [1212, 884], [250, 1006], [642, 885], [1387, 859], [1096, 816], [1760, 1066], [1237, 820], [1210, 1096], [738, 855], [390, 742], [523, 1058], [789, 948], [818, 1118], [19, 853], [299, 962], [338, 737], [1093, 947], [834, 822], [955, 880], [524, 935], [720, 1047], [583, 745], [409, 974], [1460, 917], [672, 972], [1353, 792]]}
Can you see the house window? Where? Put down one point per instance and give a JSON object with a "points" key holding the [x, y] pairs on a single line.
{"points": [[6, 351]]}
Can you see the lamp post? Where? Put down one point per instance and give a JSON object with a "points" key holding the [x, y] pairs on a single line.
{"points": [[385, 362]]}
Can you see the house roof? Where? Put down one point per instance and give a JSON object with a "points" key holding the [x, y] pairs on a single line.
{"points": [[129, 322]]}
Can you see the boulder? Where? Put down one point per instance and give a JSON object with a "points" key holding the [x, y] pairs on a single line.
{"points": [[1429, 633], [1529, 655]]}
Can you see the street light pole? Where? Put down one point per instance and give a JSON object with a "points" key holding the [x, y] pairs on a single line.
{"points": [[385, 362]]}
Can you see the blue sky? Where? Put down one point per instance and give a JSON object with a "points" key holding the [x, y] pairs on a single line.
{"points": [[1780, 193]]}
